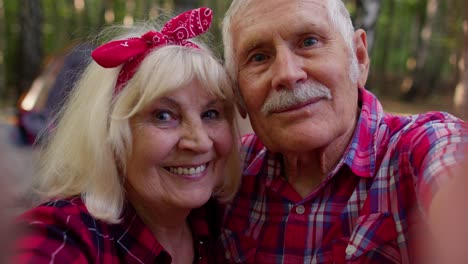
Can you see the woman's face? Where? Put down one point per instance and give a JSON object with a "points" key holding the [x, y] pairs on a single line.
{"points": [[181, 144]]}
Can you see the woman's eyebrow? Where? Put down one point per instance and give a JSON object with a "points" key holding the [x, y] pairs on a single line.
{"points": [[214, 102]]}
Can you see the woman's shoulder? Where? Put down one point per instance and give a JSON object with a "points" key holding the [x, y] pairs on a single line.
{"points": [[60, 218], [72, 202], [54, 210], [62, 229]]}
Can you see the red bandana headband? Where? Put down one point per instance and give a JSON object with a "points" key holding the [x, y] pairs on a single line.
{"points": [[130, 52]]}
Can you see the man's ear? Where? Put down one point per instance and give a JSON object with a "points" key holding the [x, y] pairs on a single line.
{"points": [[240, 102], [362, 55], [241, 109]]}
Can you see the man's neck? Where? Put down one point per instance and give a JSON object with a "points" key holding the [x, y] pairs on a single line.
{"points": [[306, 171]]}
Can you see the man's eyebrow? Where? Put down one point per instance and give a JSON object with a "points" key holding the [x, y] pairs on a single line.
{"points": [[250, 44], [255, 41], [308, 27]]}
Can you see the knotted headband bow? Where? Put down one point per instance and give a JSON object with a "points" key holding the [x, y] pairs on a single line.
{"points": [[130, 52]]}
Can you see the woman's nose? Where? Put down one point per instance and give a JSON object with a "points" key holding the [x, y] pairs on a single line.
{"points": [[195, 138]]}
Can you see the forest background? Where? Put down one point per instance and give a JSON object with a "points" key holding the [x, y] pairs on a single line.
{"points": [[418, 48]]}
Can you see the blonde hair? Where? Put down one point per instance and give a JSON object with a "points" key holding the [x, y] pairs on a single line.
{"points": [[91, 144]]}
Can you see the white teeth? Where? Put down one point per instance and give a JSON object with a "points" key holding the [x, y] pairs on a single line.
{"points": [[187, 171]]}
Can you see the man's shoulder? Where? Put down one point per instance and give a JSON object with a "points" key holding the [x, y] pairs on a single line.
{"points": [[253, 153], [423, 124], [251, 143], [249, 139], [430, 117]]}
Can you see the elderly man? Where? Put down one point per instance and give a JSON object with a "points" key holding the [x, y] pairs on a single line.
{"points": [[328, 176]]}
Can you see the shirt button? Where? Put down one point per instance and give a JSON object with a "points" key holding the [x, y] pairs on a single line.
{"points": [[201, 242], [350, 250], [300, 209]]}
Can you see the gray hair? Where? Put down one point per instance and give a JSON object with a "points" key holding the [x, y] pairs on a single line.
{"points": [[337, 13]]}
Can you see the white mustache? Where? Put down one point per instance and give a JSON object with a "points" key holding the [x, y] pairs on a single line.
{"points": [[299, 93]]}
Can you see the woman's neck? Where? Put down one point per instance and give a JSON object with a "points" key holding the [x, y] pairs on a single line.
{"points": [[177, 241], [171, 229]]}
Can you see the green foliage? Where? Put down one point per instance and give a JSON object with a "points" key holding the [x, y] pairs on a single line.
{"points": [[399, 40], [10, 50], [398, 31]]}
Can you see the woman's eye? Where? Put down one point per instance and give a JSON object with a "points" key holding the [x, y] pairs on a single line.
{"points": [[211, 114], [164, 116], [308, 42]]}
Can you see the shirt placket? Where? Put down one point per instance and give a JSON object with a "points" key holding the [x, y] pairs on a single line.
{"points": [[200, 252]]}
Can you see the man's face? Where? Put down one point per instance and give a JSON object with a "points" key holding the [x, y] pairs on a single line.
{"points": [[293, 70]]}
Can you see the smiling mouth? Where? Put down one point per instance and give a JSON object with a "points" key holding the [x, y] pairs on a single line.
{"points": [[187, 171], [296, 106]]}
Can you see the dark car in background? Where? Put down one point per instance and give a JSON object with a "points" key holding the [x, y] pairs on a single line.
{"points": [[49, 91]]}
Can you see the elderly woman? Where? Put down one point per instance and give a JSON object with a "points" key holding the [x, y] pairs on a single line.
{"points": [[143, 150]]}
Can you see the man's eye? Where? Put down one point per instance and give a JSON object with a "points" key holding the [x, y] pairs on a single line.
{"points": [[211, 114], [258, 57], [308, 42]]}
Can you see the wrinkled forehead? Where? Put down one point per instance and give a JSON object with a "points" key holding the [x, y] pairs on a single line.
{"points": [[253, 21], [250, 11], [272, 13]]}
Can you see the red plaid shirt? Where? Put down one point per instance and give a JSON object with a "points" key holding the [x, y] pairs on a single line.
{"points": [[63, 231], [363, 212]]}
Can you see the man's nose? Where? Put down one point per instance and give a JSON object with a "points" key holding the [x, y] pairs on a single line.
{"points": [[287, 69], [195, 138]]}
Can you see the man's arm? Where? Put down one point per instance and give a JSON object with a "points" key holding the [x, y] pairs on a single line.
{"points": [[448, 219]]}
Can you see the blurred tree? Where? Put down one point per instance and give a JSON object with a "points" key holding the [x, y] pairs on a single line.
{"points": [[11, 47], [461, 92], [30, 38], [184, 5], [464, 106], [414, 44], [465, 59], [367, 13], [95, 12], [382, 45], [2, 49], [420, 82]]}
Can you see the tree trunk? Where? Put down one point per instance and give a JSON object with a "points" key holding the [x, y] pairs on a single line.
{"points": [[382, 68], [461, 91], [30, 52], [421, 83], [10, 56], [184, 5], [2, 50], [367, 14], [465, 71]]}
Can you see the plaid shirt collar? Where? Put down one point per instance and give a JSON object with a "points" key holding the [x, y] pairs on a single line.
{"points": [[137, 243], [362, 144], [130, 234]]}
